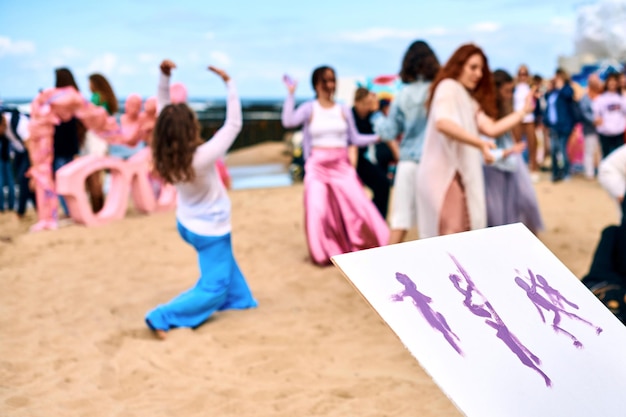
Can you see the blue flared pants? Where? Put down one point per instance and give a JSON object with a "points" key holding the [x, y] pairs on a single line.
{"points": [[221, 286]]}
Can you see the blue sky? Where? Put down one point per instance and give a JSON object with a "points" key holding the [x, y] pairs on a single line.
{"points": [[258, 41]]}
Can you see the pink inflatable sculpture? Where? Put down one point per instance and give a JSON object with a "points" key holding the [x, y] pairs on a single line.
{"points": [[130, 177], [54, 105], [147, 119], [41, 128]]}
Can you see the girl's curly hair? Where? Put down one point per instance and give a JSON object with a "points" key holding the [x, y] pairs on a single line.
{"points": [[175, 139]]}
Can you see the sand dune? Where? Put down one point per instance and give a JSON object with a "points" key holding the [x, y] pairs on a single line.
{"points": [[73, 341]]}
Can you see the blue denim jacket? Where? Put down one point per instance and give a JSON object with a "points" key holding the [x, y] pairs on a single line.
{"points": [[407, 115]]}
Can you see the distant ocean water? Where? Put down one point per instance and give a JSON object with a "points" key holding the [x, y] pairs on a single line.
{"points": [[206, 108], [261, 117]]}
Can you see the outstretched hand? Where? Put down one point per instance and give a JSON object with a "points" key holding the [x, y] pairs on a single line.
{"points": [[167, 66], [290, 83], [220, 72]]}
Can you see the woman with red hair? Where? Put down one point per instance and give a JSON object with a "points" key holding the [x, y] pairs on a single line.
{"points": [[451, 195]]}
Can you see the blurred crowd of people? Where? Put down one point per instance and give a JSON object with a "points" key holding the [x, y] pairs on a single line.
{"points": [[460, 145]]}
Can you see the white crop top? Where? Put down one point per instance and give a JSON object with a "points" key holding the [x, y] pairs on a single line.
{"points": [[328, 128]]}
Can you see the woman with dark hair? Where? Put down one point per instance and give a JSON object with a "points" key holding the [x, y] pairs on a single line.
{"points": [[101, 95], [451, 194], [203, 213], [339, 217], [407, 116], [68, 136], [509, 193], [609, 109]]}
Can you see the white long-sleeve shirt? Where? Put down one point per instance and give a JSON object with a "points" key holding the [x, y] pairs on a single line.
{"points": [[163, 92], [203, 206], [612, 172]]}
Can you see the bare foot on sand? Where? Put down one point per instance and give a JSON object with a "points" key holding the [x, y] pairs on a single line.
{"points": [[160, 334]]}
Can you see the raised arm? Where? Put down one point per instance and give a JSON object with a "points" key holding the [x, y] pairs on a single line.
{"points": [[494, 128], [446, 114], [292, 117], [218, 145], [163, 92]]}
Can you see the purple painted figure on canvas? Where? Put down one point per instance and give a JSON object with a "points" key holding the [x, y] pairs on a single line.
{"points": [[422, 301], [555, 302], [476, 303]]}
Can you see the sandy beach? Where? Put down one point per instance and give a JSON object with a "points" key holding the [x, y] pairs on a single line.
{"points": [[73, 341]]}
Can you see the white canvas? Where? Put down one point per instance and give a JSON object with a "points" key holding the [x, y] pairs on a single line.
{"points": [[492, 354]]}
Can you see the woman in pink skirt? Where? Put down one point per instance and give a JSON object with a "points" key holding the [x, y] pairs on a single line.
{"points": [[339, 217]]}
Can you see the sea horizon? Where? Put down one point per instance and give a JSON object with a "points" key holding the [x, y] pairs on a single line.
{"points": [[262, 108]]}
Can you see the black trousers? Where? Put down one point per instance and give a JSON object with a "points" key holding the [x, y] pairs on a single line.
{"points": [[22, 164], [609, 143], [376, 180]]}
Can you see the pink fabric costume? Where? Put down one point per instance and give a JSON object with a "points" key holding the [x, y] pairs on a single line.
{"points": [[339, 217], [48, 109], [147, 118]]}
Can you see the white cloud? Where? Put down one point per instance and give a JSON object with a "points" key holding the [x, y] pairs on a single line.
{"points": [[147, 58], [485, 27], [220, 58], [194, 57], [105, 64], [563, 25], [378, 34], [69, 52], [11, 47], [126, 69]]}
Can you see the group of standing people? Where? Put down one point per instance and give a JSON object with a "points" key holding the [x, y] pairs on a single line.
{"points": [[600, 111], [453, 121]]}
